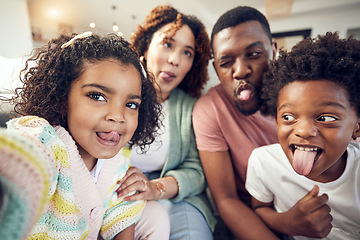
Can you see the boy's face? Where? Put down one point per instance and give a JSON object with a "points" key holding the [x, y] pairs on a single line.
{"points": [[103, 108], [315, 125]]}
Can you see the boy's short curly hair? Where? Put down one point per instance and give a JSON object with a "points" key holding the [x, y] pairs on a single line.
{"points": [[51, 70], [325, 57], [196, 78]]}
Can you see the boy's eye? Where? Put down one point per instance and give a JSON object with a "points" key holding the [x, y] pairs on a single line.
{"points": [[288, 118], [326, 119], [96, 96], [132, 105]]}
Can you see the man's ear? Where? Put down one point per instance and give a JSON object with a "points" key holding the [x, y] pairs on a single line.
{"points": [[213, 63], [356, 132]]}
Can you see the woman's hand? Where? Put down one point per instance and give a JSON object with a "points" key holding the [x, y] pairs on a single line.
{"points": [[136, 181]]}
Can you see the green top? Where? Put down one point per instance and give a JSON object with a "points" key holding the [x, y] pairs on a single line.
{"points": [[183, 162]]}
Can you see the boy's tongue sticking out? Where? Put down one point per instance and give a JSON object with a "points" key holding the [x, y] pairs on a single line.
{"points": [[303, 160]]}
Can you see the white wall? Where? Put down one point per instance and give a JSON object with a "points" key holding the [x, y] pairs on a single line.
{"points": [[15, 30], [320, 21], [16, 39]]}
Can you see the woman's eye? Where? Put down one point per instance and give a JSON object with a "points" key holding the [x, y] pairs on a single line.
{"points": [[167, 45], [188, 53], [96, 96], [132, 105], [326, 119]]}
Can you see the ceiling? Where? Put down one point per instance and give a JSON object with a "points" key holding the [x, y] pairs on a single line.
{"points": [[77, 14]]}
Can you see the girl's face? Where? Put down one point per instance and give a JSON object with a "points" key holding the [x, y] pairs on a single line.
{"points": [[103, 108], [315, 125], [171, 60]]}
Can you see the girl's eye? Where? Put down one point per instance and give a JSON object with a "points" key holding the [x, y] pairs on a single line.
{"points": [[132, 105], [326, 119], [167, 45], [96, 96], [288, 118]]}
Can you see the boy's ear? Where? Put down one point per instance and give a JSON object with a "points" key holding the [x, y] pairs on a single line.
{"points": [[356, 132]]}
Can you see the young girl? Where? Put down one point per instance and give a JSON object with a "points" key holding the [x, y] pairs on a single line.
{"points": [[175, 48], [308, 185], [84, 99]]}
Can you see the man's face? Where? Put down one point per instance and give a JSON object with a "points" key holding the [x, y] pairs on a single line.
{"points": [[241, 56]]}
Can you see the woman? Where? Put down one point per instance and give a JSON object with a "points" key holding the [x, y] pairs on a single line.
{"points": [[175, 48]]}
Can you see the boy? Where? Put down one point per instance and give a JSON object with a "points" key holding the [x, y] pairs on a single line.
{"points": [[308, 185]]}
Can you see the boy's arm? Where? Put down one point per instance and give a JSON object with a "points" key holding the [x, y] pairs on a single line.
{"points": [[126, 234], [309, 217], [236, 215]]}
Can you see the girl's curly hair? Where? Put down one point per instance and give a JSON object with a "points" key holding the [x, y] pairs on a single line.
{"points": [[197, 77], [50, 71], [325, 57]]}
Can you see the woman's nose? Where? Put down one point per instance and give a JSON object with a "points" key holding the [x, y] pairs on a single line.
{"points": [[174, 58]]}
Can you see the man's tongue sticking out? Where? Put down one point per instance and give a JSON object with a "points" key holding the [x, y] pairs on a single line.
{"points": [[245, 94], [303, 161]]}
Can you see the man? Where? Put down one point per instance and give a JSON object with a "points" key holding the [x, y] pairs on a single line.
{"points": [[227, 123]]}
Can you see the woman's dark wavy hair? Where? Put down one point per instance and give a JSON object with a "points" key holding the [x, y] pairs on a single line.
{"points": [[325, 57], [50, 71], [197, 77]]}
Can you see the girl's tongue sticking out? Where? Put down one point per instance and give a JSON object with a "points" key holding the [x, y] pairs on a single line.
{"points": [[112, 136]]}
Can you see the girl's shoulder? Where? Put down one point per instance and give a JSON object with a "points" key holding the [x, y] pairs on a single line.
{"points": [[28, 123], [37, 130], [32, 127]]}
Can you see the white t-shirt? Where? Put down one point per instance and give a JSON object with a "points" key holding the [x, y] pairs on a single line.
{"points": [[271, 178], [155, 158]]}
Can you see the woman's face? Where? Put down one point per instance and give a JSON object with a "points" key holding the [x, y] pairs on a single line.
{"points": [[172, 59]]}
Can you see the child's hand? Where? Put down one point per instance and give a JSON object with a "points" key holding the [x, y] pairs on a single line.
{"points": [[135, 181], [310, 216]]}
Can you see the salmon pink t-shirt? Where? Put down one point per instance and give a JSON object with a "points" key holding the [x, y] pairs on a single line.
{"points": [[219, 126]]}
